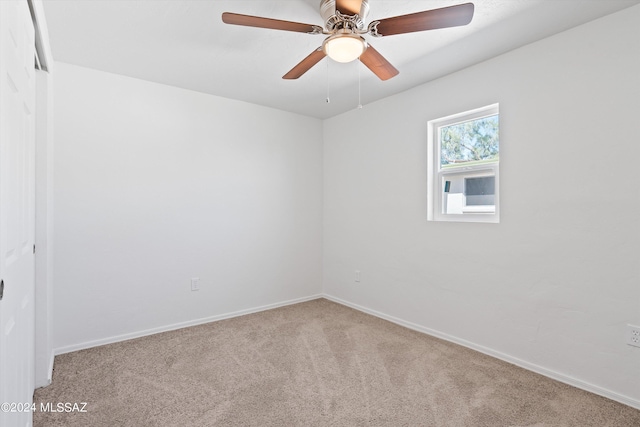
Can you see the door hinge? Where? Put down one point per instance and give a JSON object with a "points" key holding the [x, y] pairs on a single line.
{"points": [[34, 248]]}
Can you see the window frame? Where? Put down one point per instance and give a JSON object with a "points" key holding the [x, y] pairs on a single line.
{"points": [[436, 173]]}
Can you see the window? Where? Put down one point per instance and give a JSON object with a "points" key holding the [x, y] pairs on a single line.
{"points": [[463, 166]]}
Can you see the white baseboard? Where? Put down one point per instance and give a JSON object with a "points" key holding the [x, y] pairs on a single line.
{"points": [[634, 403], [125, 337]]}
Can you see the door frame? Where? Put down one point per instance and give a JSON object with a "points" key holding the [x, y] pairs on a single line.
{"points": [[44, 148]]}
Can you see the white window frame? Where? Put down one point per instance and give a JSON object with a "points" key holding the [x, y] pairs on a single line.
{"points": [[436, 175]]}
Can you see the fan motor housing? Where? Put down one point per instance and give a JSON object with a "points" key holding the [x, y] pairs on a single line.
{"points": [[335, 20]]}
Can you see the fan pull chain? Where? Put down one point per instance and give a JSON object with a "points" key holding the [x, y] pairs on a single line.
{"points": [[328, 99], [359, 90]]}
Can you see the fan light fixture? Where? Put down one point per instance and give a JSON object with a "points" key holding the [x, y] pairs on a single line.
{"points": [[344, 47], [344, 24]]}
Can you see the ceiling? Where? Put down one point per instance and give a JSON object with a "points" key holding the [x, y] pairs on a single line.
{"points": [[184, 43]]}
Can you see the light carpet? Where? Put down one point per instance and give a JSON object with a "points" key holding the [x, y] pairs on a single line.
{"points": [[316, 363]]}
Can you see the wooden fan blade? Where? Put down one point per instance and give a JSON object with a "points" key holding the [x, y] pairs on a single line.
{"points": [[349, 7], [378, 64], [305, 65], [452, 16], [274, 24]]}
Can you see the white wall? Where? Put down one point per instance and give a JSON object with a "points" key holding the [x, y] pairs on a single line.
{"points": [[553, 285], [155, 185]]}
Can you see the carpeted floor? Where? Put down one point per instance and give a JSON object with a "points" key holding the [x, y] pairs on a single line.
{"points": [[311, 364]]}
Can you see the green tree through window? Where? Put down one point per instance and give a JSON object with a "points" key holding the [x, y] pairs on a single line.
{"points": [[471, 141]]}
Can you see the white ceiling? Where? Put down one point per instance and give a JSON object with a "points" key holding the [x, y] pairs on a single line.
{"points": [[184, 43]]}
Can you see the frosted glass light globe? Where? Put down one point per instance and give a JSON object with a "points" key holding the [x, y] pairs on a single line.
{"points": [[344, 47]]}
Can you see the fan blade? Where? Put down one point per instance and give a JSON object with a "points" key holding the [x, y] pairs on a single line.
{"points": [[305, 65], [453, 16], [349, 7], [378, 64], [274, 24]]}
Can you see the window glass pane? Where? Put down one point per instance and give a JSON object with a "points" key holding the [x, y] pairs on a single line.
{"points": [[480, 191], [469, 143]]}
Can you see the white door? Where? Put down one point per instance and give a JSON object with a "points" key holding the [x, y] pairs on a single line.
{"points": [[17, 195]]}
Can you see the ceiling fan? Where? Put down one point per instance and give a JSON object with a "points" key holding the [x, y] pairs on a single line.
{"points": [[344, 24]]}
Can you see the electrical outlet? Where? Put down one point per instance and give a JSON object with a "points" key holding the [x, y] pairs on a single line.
{"points": [[633, 335], [195, 283], [357, 276]]}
